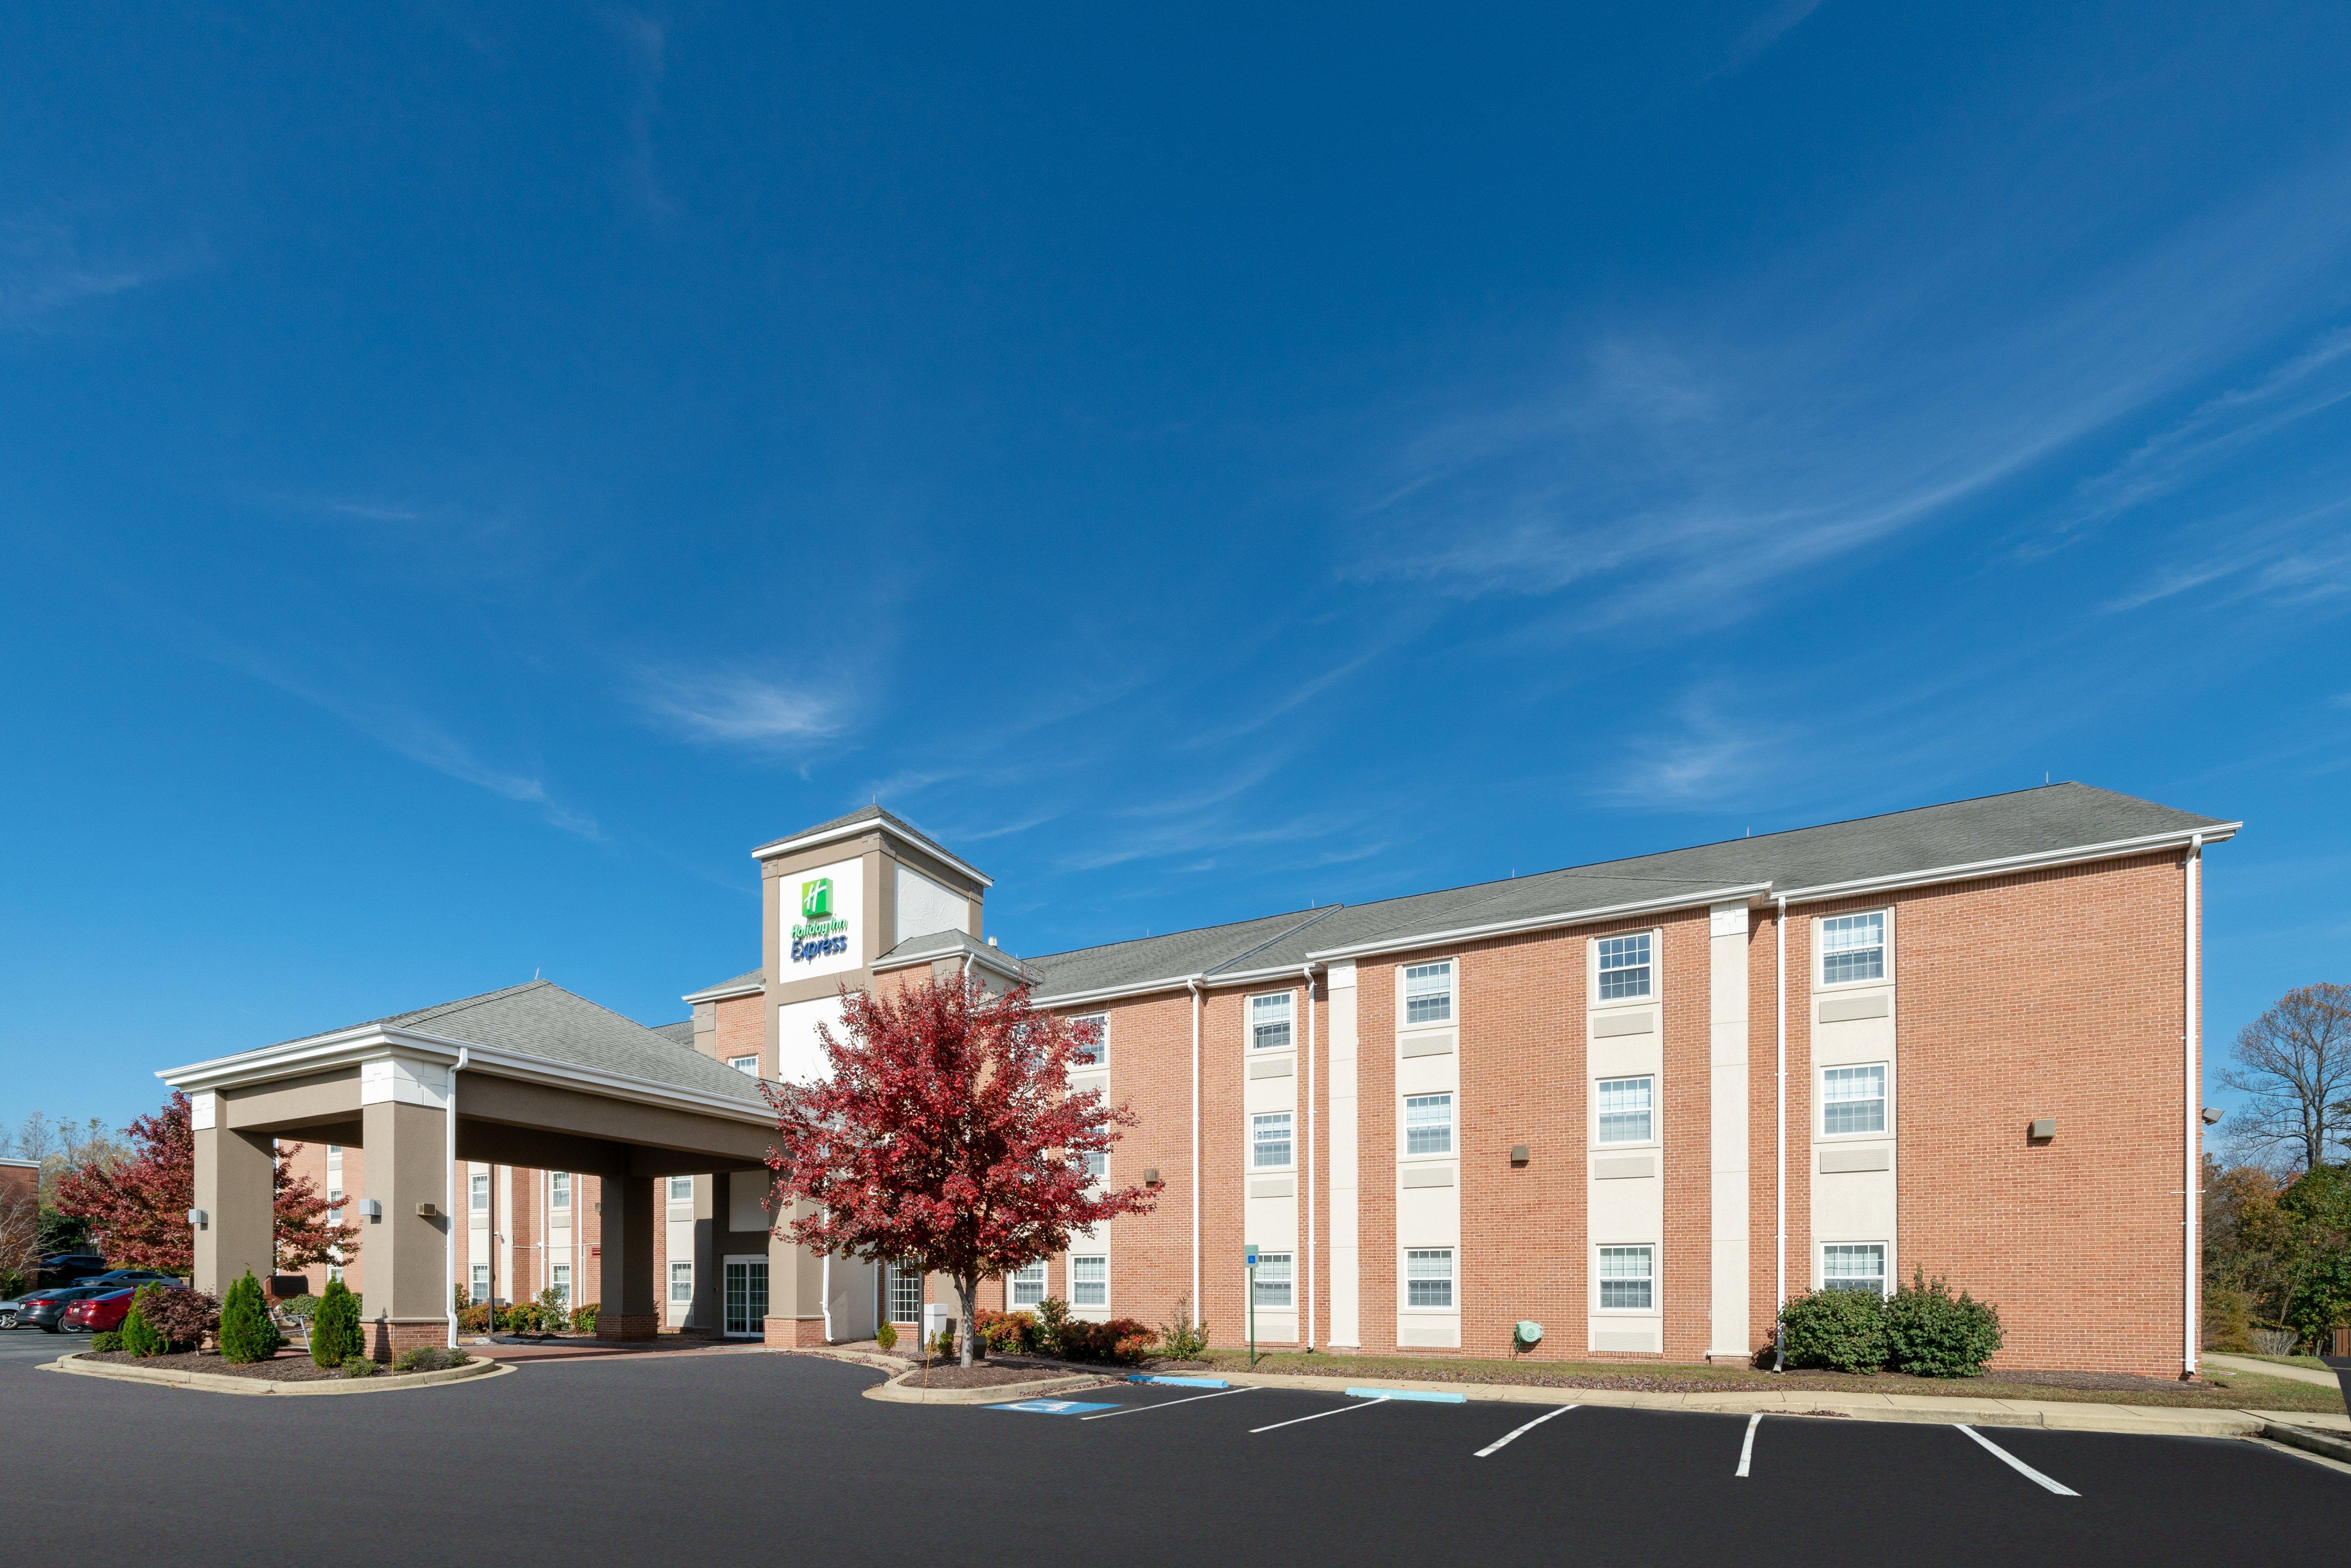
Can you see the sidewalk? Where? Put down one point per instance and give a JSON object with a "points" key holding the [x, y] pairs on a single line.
{"points": [[2274, 1369]]}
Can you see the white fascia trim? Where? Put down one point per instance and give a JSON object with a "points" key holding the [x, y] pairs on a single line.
{"points": [[858, 831], [21, 1164], [1539, 922], [2113, 850], [1110, 993], [988, 957], [721, 993], [349, 1047]]}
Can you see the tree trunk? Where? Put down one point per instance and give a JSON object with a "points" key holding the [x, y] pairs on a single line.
{"points": [[966, 1289]]}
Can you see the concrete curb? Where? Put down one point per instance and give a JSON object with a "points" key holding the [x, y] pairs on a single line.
{"points": [[2056, 1415], [896, 1392], [2326, 1444], [219, 1383]]}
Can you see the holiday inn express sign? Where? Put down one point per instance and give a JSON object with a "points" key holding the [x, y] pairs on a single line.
{"points": [[823, 908]]}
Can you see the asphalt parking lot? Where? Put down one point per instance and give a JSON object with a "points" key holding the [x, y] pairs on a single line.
{"points": [[774, 1459]]}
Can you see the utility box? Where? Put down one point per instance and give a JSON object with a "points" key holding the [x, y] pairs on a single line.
{"points": [[937, 1317]]}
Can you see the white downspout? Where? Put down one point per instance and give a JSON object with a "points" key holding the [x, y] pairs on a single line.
{"points": [[1308, 970], [1780, 1130], [2191, 1036], [1193, 986], [449, 1198]]}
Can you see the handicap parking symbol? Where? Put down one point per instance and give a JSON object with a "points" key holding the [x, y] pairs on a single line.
{"points": [[1053, 1406]]}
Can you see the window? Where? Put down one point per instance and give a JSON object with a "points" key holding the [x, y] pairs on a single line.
{"points": [[1853, 1100], [1429, 993], [1270, 1022], [1096, 1051], [1429, 1124], [1853, 947], [1273, 1280], [334, 1205], [1854, 1265], [1097, 1167], [1626, 1276], [746, 1065], [1624, 967], [559, 1184], [1624, 1110], [478, 1190], [1088, 1281], [1428, 1277], [562, 1284], [681, 1189], [334, 1151], [1026, 1288], [681, 1282], [335, 1271], [905, 1293], [1270, 1140], [478, 1288]]}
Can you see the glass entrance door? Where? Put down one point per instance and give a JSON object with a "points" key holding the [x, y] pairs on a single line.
{"points": [[747, 1297]]}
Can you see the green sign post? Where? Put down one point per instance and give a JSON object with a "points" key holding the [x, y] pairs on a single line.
{"points": [[1248, 1250]]}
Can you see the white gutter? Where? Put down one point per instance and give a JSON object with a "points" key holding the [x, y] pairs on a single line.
{"points": [[1780, 1130], [1971, 870], [449, 1201], [1193, 983], [722, 993], [2193, 1097], [1308, 970]]}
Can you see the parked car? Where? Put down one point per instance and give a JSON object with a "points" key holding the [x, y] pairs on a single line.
{"points": [[116, 1278], [12, 1310], [69, 1268], [101, 1312], [46, 1310]]}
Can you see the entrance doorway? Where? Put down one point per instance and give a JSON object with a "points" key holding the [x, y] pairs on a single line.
{"points": [[747, 1297]]}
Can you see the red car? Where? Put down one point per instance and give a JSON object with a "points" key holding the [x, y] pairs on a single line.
{"points": [[101, 1314]]}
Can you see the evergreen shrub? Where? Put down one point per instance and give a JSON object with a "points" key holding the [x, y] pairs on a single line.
{"points": [[246, 1334], [1843, 1331], [886, 1336], [335, 1326], [1930, 1332], [104, 1341], [139, 1336]]}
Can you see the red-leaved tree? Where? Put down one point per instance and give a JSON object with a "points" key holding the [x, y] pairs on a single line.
{"points": [[137, 1208], [947, 1136]]}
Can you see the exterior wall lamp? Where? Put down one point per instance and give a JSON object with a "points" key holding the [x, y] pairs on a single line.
{"points": [[196, 1216]]}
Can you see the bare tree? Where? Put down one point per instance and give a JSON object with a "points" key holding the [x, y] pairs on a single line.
{"points": [[20, 1237], [61, 1147], [2294, 1062]]}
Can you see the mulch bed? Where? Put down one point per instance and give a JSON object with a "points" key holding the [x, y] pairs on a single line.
{"points": [[280, 1368]]}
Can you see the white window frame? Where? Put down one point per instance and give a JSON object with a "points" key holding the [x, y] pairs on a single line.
{"points": [[1453, 1280], [1097, 1177], [1885, 1270], [1656, 1289], [1037, 1274], [1885, 977], [1452, 1149], [673, 1189], [334, 1205], [1820, 1100], [559, 1189], [334, 1272], [559, 1281], [478, 1283], [477, 1192], [1287, 1023], [1102, 1040], [1451, 993], [675, 1264], [754, 1326], [1648, 965], [895, 1276], [1288, 1283], [748, 1066], [1076, 1284], [1600, 1139], [1289, 1139]]}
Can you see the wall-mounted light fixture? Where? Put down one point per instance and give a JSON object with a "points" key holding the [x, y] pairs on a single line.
{"points": [[428, 1211], [1519, 1154], [196, 1216], [2213, 1115], [372, 1208], [1151, 1176], [2044, 1128]]}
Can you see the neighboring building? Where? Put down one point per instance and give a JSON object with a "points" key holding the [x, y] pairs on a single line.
{"points": [[1639, 1103]]}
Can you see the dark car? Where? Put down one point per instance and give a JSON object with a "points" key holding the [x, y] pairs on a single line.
{"points": [[118, 1279], [45, 1309], [61, 1269]]}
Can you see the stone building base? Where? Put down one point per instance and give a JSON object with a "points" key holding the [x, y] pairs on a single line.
{"points": [[628, 1325], [387, 1337], [795, 1334]]}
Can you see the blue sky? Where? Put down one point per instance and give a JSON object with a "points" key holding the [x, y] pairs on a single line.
{"points": [[473, 473]]}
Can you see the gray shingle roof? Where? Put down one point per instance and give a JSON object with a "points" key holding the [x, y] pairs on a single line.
{"points": [[753, 977], [682, 1032], [541, 1019], [2052, 818]]}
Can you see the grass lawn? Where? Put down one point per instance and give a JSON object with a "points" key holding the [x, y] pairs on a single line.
{"points": [[2227, 1391]]}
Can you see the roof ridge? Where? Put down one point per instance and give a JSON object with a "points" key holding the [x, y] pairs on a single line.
{"points": [[1275, 939], [1187, 931]]}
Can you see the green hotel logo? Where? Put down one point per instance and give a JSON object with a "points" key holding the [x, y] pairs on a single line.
{"points": [[821, 933], [816, 899]]}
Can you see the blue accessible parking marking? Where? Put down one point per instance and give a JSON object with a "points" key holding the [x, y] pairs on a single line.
{"points": [[1053, 1406]]}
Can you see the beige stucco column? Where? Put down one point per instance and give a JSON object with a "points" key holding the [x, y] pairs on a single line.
{"points": [[235, 1189], [795, 1289], [405, 1126], [629, 1308]]}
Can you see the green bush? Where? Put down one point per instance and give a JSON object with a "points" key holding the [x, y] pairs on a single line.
{"points": [[886, 1336], [553, 1315], [1843, 1331], [139, 1336], [429, 1358], [360, 1366], [1012, 1333], [2321, 1299], [246, 1334], [584, 1319], [298, 1307], [335, 1326], [1052, 1312], [1122, 1341], [1182, 1339], [1930, 1332], [99, 1342]]}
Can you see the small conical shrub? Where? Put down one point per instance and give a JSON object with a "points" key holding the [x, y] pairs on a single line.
{"points": [[139, 1336], [335, 1326], [246, 1334]]}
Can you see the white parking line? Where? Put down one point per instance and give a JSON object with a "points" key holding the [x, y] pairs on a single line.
{"points": [[2019, 1465], [1746, 1448], [1507, 1439], [1320, 1413], [1136, 1409]]}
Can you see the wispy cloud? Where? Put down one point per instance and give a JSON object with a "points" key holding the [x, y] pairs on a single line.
{"points": [[395, 723], [734, 707], [644, 44], [2296, 561], [46, 269], [1763, 32]]}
